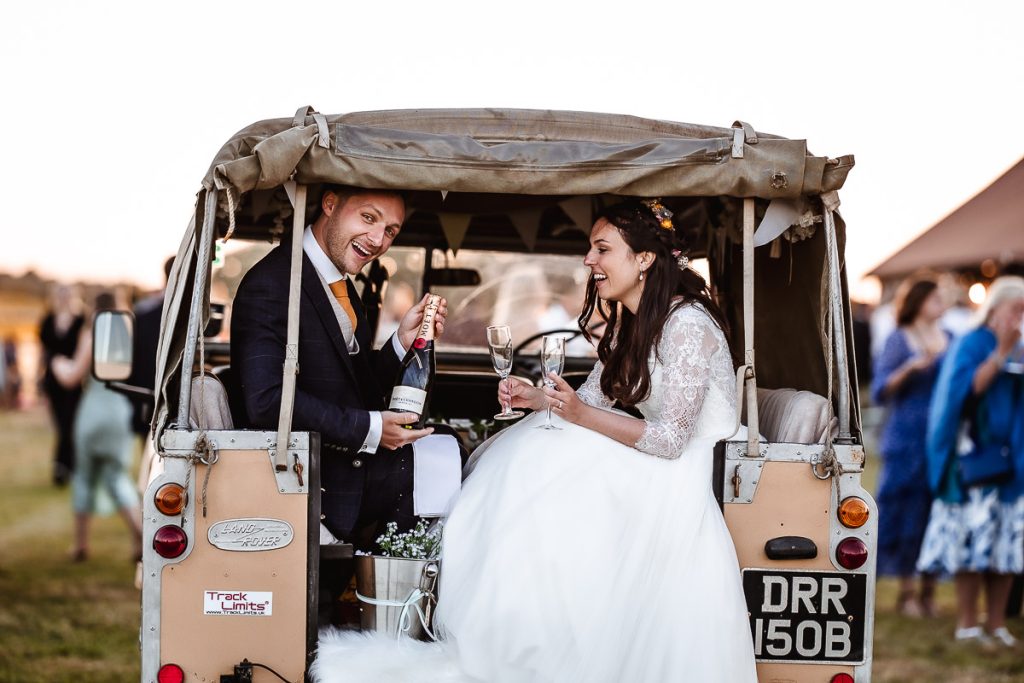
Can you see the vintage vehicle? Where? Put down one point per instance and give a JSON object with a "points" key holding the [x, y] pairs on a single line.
{"points": [[501, 202]]}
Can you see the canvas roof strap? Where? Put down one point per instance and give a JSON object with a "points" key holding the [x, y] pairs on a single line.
{"points": [[746, 377], [742, 132], [322, 131], [195, 315], [297, 194], [750, 377], [833, 327]]}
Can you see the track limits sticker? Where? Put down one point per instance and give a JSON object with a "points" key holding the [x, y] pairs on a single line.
{"points": [[238, 603]]}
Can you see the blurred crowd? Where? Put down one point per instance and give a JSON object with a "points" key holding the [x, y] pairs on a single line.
{"points": [[950, 380], [944, 378], [97, 430]]}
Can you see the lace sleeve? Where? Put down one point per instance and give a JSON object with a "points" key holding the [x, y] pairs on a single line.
{"points": [[590, 391], [685, 351]]}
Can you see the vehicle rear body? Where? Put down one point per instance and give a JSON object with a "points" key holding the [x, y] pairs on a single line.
{"points": [[491, 184]]}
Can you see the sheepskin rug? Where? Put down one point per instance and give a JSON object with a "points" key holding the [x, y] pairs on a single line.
{"points": [[346, 656]]}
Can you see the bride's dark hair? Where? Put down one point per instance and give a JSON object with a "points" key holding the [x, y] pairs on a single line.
{"points": [[626, 376]]}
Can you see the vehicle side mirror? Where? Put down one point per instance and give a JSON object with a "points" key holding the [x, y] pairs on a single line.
{"points": [[112, 333]]}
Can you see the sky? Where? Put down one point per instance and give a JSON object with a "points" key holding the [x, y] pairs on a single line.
{"points": [[114, 110]]}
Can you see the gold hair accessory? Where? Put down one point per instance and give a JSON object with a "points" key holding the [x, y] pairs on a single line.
{"points": [[660, 212]]}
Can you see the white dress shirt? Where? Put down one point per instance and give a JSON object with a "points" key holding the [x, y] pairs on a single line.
{"points": [[329, 274]]}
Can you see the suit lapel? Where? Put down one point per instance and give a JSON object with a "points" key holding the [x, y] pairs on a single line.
{"points": [[313, 288]]}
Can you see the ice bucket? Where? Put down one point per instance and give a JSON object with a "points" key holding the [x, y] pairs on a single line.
{"points": [[396, 594]]}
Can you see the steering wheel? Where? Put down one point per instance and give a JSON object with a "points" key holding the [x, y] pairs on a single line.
{"points": [[531, 367]]}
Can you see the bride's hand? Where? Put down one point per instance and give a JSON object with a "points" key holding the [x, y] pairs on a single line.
{"points": [[564, 401], [520, 394]]}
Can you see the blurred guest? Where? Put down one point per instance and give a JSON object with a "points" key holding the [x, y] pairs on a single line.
{"points": [[861, 327], [104, 444], [976, 532], [904, 376], [10, 377], [148, 314], [59, 333], [3, 385], [567, 296], [881, 323], [399, 297], [959, 315]]}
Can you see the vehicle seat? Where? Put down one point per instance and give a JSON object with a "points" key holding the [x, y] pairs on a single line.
{"points": [[792, 416], [235, 401], [210, 408]]}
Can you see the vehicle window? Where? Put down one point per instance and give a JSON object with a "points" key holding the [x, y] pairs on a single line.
{"points": [[532, 293]]}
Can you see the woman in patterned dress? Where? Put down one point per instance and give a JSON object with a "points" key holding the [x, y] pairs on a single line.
{"points": [[976, 533], [904, 377]]}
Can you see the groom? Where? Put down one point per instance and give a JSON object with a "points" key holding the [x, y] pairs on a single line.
{"points": [[366, 458]]}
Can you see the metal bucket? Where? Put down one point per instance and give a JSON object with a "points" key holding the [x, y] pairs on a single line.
{"points": [[397, 595]]}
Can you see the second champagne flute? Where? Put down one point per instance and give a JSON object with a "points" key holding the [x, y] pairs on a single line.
{"points": [[552, 359], [499, 341]]}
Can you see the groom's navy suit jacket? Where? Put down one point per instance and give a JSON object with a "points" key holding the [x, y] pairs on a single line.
{"points": [[335, 390]]}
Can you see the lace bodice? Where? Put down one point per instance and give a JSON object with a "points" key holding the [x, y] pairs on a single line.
{"points": [[691, 384]]}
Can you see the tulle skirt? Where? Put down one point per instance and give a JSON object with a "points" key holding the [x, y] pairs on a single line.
{"points": [[571, 557]]}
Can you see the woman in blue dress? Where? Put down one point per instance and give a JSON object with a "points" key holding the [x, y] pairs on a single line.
{"points": [[905, 374], [976, 532]]}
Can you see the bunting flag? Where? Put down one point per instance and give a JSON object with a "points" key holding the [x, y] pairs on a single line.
{"points": [[454, 226], [527, 224], [781, 214], [579, 210]]}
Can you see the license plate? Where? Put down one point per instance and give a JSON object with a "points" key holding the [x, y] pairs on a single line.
{"points": [[806, 616]]}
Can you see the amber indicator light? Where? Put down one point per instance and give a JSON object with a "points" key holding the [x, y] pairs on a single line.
{"points": [[170, 499], [853, 512]]}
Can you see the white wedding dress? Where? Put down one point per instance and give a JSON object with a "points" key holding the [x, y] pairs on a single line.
{"points": [[570, 557]]}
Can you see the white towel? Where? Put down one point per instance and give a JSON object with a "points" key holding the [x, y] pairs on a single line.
{"points": [[437, 474]]}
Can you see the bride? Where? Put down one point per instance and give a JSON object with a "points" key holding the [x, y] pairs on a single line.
{"points": [[597, 552]]}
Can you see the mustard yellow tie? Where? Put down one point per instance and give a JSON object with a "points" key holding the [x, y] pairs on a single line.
{"points": [[340, 291]]}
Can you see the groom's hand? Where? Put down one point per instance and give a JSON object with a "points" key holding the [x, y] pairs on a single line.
{"points": [[413, 318], [520, 394], [394, 434]]}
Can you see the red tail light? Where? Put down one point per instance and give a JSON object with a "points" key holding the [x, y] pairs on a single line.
{"points": [[851, 553], [172, 673], [170, 541], [841, 678]]}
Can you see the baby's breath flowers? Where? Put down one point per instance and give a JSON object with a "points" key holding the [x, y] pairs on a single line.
{"points": [[422, 542]]}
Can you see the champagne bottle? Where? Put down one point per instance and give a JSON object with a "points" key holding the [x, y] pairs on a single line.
{"points": [[411, 393]]}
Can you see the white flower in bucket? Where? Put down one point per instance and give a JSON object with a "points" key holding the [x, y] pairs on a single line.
{"points": [[407, 560]]}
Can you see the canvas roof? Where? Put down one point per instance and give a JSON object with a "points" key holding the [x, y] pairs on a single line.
{"points": [[514, 151], [513, 179]]}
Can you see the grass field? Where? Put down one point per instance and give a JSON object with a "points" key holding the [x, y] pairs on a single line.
{"points": [[61, 621]]}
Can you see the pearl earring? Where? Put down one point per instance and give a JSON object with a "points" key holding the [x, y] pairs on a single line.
{"points": [[641, 276]]}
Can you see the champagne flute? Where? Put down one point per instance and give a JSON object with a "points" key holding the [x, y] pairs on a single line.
{"points": [[552, 359], [499, 341]]}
